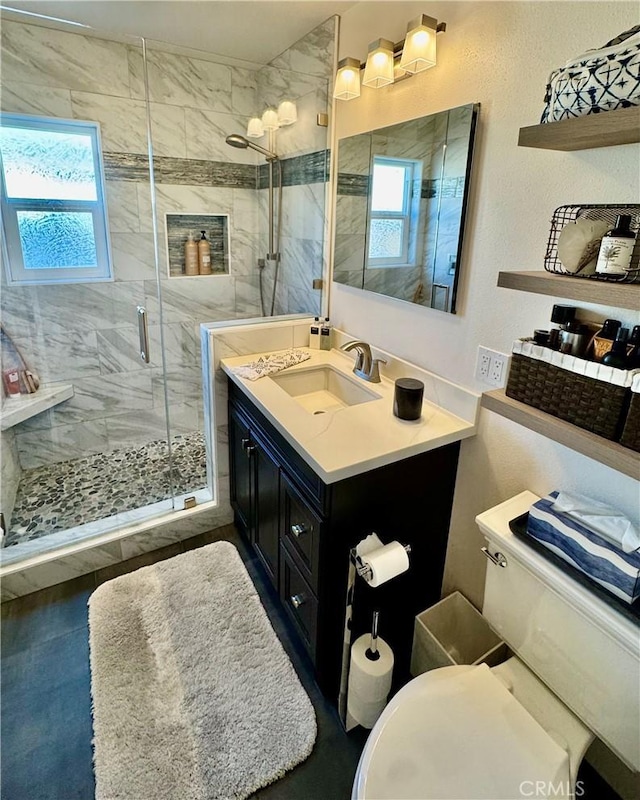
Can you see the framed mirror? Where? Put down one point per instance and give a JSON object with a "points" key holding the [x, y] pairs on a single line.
{"points": [[400, 207]]}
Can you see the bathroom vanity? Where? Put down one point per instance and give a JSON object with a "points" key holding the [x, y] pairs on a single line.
{"points": [[314, 470]]}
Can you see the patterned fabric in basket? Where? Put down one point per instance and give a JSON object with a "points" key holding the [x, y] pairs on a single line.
{"points": [[581, 392]]}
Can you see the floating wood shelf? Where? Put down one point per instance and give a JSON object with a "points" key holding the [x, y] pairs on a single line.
{"points": [[612, 454], [607, 293], [621, 126]]}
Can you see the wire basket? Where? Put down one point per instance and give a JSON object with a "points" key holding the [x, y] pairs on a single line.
{"points": [[565, 214]]}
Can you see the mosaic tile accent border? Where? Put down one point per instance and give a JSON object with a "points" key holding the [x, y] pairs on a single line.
{"points": [[216, 228], [185, 171], [299, 170], [358, 186], [60, 496], [296, 171]]}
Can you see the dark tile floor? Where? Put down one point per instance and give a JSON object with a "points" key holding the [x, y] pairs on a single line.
{"points": [[45, 724]]}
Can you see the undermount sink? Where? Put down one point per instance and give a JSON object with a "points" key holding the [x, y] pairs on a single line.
{"points": [[323, 389]]}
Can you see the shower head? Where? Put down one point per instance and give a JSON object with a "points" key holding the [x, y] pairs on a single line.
{"points": [[235, 140]]}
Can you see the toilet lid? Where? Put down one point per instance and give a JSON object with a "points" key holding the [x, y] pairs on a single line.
{"points": [[458, 732]]}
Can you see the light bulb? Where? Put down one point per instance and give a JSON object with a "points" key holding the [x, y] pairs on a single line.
{"points": [[347, 86], [378, 70]]}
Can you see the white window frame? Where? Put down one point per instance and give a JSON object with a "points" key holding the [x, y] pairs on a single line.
{"points": [[17, 274], [407, 214]]}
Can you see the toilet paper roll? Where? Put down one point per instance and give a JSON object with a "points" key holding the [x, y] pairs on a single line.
{"points": [[385, 563], [369, 681]]}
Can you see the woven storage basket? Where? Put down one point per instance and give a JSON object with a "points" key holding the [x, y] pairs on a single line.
{"points": [[631, 431], [596, 405]]}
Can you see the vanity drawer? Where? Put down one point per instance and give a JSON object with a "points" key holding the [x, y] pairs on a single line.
{"points": [[301, 529], [299, 600]]}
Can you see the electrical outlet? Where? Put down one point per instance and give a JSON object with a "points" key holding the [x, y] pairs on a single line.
{"points": [[483, 364], [492, 367]]}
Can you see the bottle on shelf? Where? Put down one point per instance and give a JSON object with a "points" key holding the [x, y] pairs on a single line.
{"points": [[633, 349], [616, 248], [617, 356], [204, 255], [191, 256], [604, 338]]}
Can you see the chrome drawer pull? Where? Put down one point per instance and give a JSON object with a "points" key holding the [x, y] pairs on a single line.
{"points": [[298, 530], [497, 559], [297, 600]]}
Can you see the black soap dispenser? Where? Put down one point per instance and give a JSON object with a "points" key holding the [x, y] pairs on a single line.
{"points": [[617, 356]]}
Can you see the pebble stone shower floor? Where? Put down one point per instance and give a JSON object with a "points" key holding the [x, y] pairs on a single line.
{"points": [[61, 496]]}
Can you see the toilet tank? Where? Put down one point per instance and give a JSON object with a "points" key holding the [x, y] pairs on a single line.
{"points": [[586, 651]]}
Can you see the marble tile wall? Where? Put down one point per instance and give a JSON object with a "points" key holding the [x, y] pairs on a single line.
{"points": [[87, 333], [9, 474]]}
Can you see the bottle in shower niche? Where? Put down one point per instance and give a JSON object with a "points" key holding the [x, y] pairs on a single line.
{"points": [[325, 334], [191, 256], [204, 255], [616, 249]]}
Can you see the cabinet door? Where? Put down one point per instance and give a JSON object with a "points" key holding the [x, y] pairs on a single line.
{"points": [[241, 470], [266, 508]]}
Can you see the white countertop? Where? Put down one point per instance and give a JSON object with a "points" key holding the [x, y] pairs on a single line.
{"points": [[355, 439]]}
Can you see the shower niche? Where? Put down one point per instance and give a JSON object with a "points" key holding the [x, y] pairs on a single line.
{"points": [[214, 226]]}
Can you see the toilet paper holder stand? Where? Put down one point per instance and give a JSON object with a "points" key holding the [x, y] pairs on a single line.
{"points": [[363, 569], [356, 567]]}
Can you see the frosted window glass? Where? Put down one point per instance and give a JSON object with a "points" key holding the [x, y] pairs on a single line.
{"points": [[385, 240], [48, 165], [388, 189], [55, 239]]}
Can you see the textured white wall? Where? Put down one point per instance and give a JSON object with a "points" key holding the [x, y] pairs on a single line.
{"points": [[498, 54]]}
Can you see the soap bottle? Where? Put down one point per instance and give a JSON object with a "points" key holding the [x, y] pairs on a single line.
{"points": [[633, 349], [314, 334], [204, 255], [325, 334], [616, 248], [617, 356], [191, 256]]}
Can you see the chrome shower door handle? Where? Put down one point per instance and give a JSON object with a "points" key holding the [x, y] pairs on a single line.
{"points": [[143, 333]]}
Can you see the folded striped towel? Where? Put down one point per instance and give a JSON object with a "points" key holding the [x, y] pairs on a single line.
{"points": [[583, 548], [266, 365]]}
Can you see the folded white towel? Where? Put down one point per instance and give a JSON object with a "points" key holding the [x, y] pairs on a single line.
{"points": [[600, 518], [266, 365]]}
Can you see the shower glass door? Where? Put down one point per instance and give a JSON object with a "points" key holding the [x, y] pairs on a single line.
{"points": [[86, 448]]}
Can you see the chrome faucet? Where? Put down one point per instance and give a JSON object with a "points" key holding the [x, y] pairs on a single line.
{"points": [[365, 367]]}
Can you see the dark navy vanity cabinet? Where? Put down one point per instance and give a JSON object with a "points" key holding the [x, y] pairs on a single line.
{"points": [[302, 530]]}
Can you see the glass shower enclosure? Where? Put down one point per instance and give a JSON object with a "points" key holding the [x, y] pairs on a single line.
{"points": [[106, 428]]}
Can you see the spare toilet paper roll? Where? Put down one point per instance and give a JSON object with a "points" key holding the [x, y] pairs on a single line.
{"points": [[369, 681], [386, 562]]}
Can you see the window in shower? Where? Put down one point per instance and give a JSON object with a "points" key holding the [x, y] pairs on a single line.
{"points": [[53, 206], [393, 211]]}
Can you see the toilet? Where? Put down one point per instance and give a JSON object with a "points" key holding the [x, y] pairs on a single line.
{"points": [[519, 729]]}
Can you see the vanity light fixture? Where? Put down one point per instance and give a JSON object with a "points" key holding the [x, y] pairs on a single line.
{"points": [[287, 113], [347, 84], [419, 51], [378, 70], [255, 128], [413, 54], [270, 120]]}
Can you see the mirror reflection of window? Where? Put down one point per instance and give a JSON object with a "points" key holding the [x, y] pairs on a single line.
{"points": [[392, 212]]}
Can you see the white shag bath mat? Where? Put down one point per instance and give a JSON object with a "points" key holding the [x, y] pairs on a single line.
{"points": [[193, 696]]}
